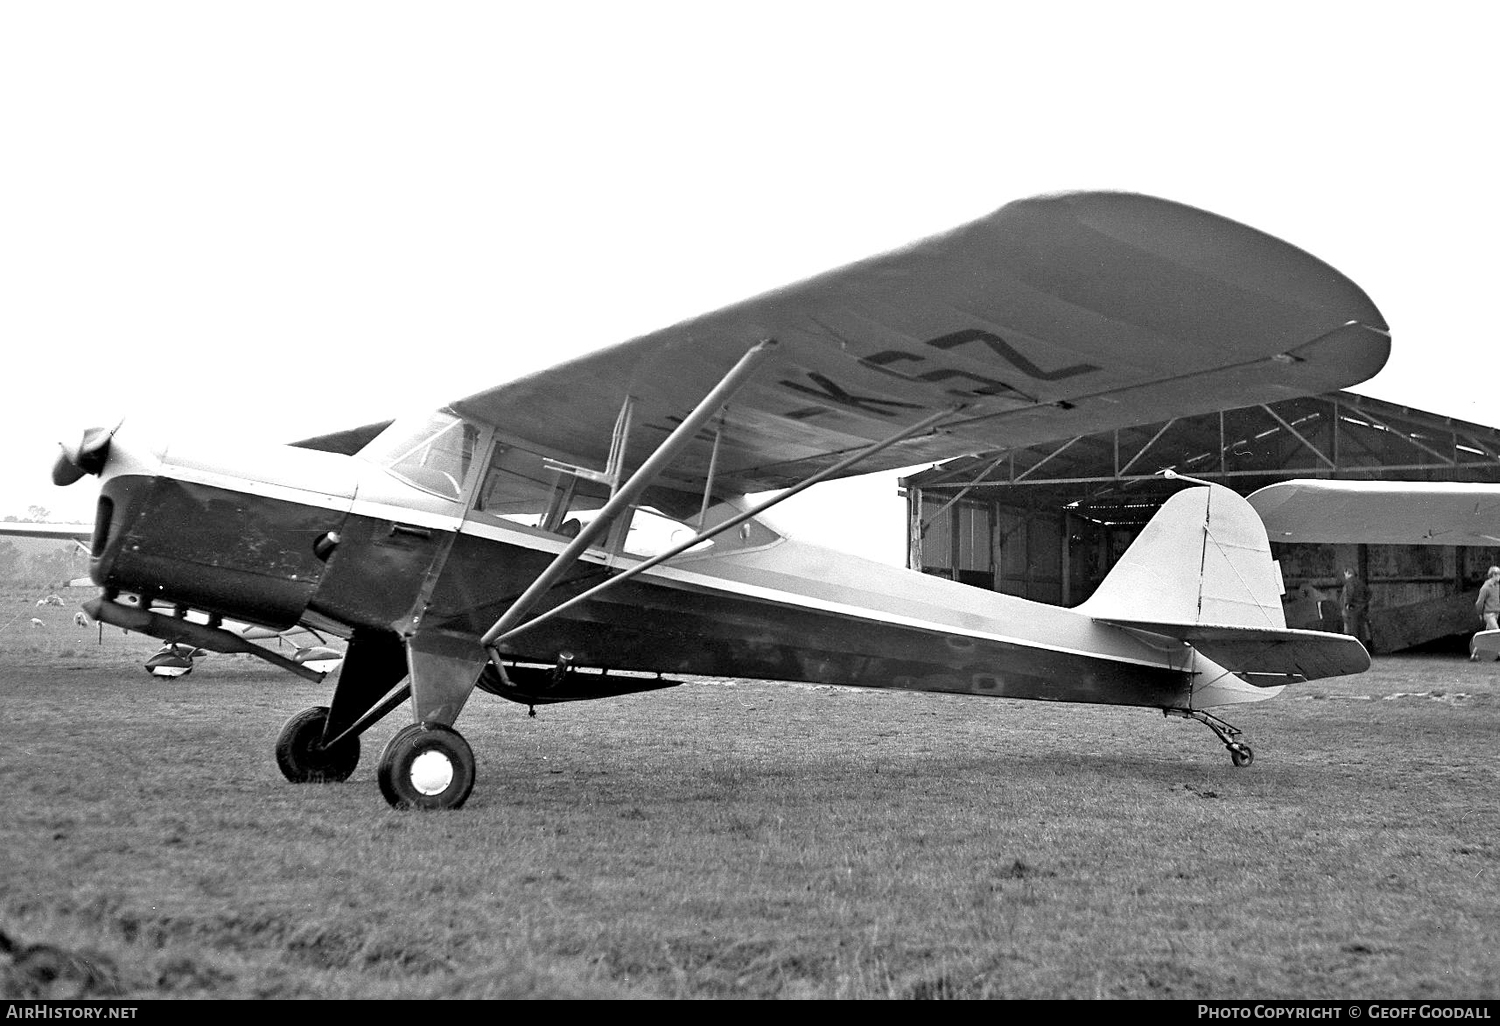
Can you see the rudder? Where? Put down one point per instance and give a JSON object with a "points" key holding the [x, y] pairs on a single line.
{"points": [[1203, 559]]}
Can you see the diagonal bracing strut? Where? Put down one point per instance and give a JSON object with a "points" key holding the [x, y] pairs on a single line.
{"points": [[497, 635], [625, 495]]}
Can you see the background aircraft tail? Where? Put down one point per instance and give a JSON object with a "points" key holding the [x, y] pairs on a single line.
{"points": [[1201, 572]]}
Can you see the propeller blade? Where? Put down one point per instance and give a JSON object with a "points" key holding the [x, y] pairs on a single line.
{"points": [[65, 470]]}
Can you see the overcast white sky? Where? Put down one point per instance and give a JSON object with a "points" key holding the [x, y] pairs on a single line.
{"points": [[288, 218]]}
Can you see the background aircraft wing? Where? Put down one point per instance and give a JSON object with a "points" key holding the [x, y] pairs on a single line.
{"points": [[1380, 512], [1052, 317], [63, 532]]}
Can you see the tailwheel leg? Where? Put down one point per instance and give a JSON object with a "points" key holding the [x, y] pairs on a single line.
{"points": [[426, 766], [303, 756], [1240, 753]]}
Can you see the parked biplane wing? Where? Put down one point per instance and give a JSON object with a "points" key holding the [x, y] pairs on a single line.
{"points": [[1381, 512], [589, 530]]}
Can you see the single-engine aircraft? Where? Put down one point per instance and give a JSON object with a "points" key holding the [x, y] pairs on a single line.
{"points": [[588, 530]]}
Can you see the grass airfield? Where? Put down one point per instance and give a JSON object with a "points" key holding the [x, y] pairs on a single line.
{"points": [[733, 839]]}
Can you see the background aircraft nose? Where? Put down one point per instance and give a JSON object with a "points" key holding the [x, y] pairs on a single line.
{"points": [[87, 457]]}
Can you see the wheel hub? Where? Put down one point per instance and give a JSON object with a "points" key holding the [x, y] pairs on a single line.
{"points": [[431, 773]]}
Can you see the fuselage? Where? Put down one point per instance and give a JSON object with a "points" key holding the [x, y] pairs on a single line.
{"points": [[278, 535]]}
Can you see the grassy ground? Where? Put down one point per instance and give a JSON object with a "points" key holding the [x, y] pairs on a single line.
{"points": [[735, 839]]}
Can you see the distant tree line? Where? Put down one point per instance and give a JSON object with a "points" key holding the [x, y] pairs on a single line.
{"points": [[34, 515], [48, 568]]}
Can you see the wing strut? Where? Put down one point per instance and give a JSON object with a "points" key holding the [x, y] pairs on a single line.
{"points": [[625, 495], [713, 472], [497, 634]]}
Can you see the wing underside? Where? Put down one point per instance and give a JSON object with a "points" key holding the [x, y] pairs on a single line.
{"points": [[1052, 317], [1381, 512]]}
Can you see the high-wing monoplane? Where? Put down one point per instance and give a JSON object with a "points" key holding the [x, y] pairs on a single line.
{"points": [[589, 531]]}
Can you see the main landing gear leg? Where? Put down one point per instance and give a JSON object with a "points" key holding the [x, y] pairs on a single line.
{"points": [[305, 759], [1239, 752], [429, 765], [321, 744]]}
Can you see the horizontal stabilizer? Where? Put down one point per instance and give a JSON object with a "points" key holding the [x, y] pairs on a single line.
{"points": [[1263, 656]]}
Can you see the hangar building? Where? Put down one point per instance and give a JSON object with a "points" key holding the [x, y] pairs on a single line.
{"points": [[1047, 522]]}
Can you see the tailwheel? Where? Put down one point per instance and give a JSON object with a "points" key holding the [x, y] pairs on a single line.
{"points": [[1239, 752], [426, 766], [302, 756]]}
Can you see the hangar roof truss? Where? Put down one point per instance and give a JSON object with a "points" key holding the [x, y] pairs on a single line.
{"points": [[1116, 476]]}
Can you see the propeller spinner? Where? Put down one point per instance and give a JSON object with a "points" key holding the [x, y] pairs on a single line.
{"points": [[87, 457]]}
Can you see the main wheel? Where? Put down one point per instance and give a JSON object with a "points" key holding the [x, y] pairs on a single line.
{"points": [[1241, 755], [426, 766], [303, 758]]}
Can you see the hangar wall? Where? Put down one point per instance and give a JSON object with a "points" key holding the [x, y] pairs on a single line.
{"points": [[1048, 522]]}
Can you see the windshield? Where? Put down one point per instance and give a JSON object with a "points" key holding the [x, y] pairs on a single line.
{"points": [[432, 452]]}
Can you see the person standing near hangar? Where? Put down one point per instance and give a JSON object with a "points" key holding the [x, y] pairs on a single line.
{"points": [[1356, 603], [1488, 605]]}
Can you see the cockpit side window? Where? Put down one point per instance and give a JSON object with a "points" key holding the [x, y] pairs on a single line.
{"points": [[522, 487], [433, 453], [526, 488]]}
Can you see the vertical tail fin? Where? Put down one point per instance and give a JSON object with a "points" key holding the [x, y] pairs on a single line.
{"points": [[1202, 572], [1203, 560]]}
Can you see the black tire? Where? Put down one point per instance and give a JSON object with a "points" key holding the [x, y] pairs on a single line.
{"points": [[443, 777], [1241, 755], [303, 759]]}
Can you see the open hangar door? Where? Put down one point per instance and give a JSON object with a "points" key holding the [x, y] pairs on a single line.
{"points": [[1048, 522]]}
